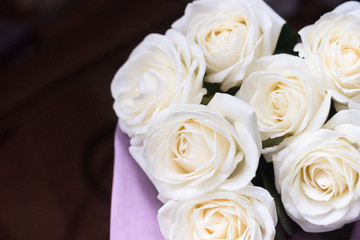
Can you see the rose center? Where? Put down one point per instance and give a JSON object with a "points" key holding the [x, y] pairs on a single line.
{"points": [[191, 150], [146, 83], [279, 102], [220, 222], [345, 53], [350, 56], [224, 36], [183, 158], [322, 180], [152, 90], [211, 224], [184, 145]]}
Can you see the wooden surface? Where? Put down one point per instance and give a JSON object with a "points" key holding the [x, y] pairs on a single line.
{"points": [[57, 122], [56, 117]]}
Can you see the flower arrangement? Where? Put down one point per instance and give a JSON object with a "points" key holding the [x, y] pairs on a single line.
{"points": [[236, 137]]}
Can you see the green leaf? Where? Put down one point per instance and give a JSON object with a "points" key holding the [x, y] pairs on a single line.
{"points": [[212, 88], [270, 186], [271, 142], [287, 40], [206, 99], [280, 233]]}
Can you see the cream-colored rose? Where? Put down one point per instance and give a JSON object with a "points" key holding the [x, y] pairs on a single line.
{"points": [[192, 149], [318, 174], [332, 47], [231, 34], [247, 213], [162, 70], [286, 96]]}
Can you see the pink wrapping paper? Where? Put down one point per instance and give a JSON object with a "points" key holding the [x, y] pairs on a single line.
{"points": [[134, 204]]}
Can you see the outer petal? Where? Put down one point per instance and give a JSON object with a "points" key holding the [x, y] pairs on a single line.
{"points": [[243, 117]]}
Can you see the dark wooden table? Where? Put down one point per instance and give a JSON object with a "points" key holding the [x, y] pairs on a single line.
{"points": [[56, 117]]}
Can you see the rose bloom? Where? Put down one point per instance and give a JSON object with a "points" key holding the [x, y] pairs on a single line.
{"points": [[286, 96], [192, 149], [332, 47], [161, 71], [247, 213], [317, 175], [231, 34]]}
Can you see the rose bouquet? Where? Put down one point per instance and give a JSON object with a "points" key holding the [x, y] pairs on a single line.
{"points": [[236, 133]]}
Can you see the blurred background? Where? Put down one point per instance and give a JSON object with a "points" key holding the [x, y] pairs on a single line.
{"points": [[57, 60]]}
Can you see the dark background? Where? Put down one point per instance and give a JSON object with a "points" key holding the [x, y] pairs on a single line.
{"points": [[57, 59]]}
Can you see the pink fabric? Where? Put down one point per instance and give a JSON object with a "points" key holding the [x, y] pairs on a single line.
{"points": [[134, 203], [356, 231]]}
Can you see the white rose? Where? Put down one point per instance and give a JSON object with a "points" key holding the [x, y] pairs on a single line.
{"points": [[317, 175], [248, 213], [332, 47], [231, 34], [286, 97], [161, 71], [354, 105], [192, 149]]}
